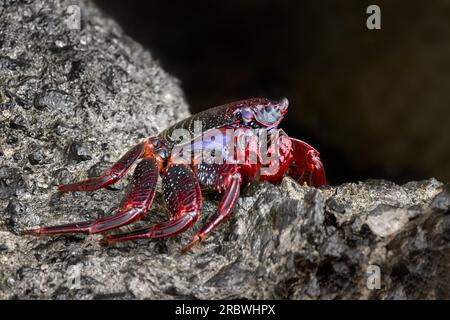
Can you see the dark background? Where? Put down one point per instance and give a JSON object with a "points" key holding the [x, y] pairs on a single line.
{"points": [[374, 103]]}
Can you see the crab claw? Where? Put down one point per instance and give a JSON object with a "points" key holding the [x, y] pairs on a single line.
{"points": [[306, 165], [284, 104]]}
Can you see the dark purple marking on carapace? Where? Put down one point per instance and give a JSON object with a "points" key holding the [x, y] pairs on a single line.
{"points": [[224, 116]]}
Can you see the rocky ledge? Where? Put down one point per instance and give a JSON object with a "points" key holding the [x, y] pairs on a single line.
{"points": [[73, 98]]}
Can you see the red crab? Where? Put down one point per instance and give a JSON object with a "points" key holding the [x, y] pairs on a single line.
{"points": [[185, 172]]}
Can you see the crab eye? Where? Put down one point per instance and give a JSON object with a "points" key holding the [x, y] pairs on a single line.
{"points": [[247, 116]]}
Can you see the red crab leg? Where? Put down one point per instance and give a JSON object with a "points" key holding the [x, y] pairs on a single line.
{"points": [[184, 199], [306, 165], [232, 184], [139, 198], [111, 175]]}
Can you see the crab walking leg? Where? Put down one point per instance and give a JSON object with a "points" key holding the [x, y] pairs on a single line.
{"points": [[139, 198], [306, 165], [183, 196], [111, 175], [233, 185]]}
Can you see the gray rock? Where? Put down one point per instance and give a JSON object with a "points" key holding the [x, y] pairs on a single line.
{"points": [[36, 157], [19, 217], [99, 88], [77, 152]]}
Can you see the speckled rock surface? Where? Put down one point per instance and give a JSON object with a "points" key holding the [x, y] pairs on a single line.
{"points": [[72, 101]]}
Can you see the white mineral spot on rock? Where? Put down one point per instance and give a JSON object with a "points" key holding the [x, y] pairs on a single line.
{"points": [[388, 222]]}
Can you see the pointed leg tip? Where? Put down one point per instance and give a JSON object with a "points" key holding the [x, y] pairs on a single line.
{"points": [[105, 242], [33, 232], [187, 248], [62, 188]]}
